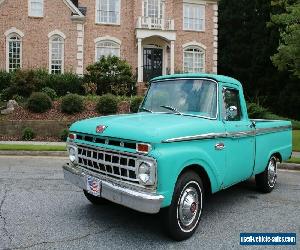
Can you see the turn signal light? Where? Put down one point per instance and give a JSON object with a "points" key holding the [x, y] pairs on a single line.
{"points": [[143, 148], [72, 136]]}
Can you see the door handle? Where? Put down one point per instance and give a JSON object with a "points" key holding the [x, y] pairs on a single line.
{"points": [[219, 146]]}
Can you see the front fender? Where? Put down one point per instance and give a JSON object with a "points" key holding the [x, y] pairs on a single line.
{"points": [[173, 158]]}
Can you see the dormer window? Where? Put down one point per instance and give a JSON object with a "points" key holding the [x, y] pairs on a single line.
{"points": [[36, 8]]}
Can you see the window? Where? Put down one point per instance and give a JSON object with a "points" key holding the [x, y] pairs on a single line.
{"points": [[231, 107], [14, 52], [194, 59], [108, 11], [153, 8], [194, 17], [56, 51], [36, 8], [188, 96], [107, 48]]}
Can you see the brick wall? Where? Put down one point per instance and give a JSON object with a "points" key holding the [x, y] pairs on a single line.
{"points": [[14, 13]]}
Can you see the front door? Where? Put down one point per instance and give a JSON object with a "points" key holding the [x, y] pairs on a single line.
{"points": [[240, 142], [153, 58]]}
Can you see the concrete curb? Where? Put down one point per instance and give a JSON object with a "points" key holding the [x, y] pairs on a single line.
{"points": [[33, 153], [289, 166]]}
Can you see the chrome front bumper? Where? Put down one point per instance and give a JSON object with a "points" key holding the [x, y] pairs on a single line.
{"points": [[137, 200]]}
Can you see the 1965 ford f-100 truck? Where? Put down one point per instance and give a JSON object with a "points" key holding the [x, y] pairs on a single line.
{"points": [[191, 137]]}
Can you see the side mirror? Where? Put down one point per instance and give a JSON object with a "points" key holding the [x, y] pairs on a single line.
{"points": [[231, 113]]}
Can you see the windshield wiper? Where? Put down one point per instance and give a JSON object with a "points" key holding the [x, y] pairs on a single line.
{"points": [[175, 111], [147, 110]]}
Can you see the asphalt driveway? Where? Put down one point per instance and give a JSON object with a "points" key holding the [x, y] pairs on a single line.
{"points": [[39, 210]]}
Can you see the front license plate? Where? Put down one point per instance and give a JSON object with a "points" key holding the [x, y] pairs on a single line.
{"points": [[93, 185]]}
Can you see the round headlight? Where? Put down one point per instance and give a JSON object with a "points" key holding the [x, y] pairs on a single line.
{"points": [[72, 154], [144, 172]]}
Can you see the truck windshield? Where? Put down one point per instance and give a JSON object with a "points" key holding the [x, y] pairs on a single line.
{"points": [[183, 96]]}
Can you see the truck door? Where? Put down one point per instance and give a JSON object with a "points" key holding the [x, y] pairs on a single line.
{"points": [[240, 141]]}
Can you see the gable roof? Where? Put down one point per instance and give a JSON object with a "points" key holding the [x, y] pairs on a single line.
{"points": [[72, 7]]}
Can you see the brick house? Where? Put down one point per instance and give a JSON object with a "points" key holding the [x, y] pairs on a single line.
{"points": [[155, 36]]}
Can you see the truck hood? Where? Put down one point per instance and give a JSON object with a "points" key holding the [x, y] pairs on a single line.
{"points": [[146, 127]]}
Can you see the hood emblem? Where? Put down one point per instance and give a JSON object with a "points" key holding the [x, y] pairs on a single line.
{"points": [[100, 129]]}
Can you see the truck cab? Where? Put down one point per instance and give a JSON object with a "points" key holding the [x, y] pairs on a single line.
{"points": [[191, 137]]}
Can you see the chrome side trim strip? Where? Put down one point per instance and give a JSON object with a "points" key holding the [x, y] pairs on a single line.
{"points": [[196, 137], [232, 135], [261, 131]]}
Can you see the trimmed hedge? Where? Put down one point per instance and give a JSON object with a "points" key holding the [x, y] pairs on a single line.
{"points": [[50, 92], [39, 102], [72, 103], [135, 103], [28, 134], [107, 104]]}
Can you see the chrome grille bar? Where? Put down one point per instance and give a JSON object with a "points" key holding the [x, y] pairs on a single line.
{"points": [[117, 165]]}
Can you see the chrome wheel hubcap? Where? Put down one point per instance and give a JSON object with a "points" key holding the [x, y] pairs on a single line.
{"points": [[188, 206], [272, 172]]}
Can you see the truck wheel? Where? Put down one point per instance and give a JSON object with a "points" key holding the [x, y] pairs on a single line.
{"points": [[94, 199], [266, 180], [182, 217]]}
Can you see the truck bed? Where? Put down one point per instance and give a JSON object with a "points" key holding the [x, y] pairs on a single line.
{"points": [[272, 136]]}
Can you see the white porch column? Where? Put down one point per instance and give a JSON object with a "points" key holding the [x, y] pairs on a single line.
{"points": [[172, 57], [140, 66]]}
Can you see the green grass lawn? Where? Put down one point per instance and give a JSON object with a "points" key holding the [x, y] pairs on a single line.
{"points": [[31, 147], [294, 160], [296, 140]]}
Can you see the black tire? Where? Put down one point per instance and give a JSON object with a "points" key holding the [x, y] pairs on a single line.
{"points": [[266, 180], [94, 199], [188, 184]]}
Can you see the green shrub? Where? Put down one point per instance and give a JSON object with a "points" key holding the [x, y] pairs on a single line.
{"points": [[107, 104], [72, 103], [112, 75], [39, 102], [135, 103], [5, 80], [63, 135], [255, 111], [28, 134], [50, 92], [65, 83]]}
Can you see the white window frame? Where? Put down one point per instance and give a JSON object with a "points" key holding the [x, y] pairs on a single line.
{"points": [[106, 39], [8, 34], [51, 36], [97, 16], [160, 11], [202, 50], [194, 5], [30, 2]]}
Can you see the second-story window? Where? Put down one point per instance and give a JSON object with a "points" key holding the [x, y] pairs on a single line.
{"points": [[36, 8], [194, 17], [108, 11], [153, 8]]}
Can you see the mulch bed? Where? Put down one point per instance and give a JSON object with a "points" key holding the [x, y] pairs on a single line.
{"points": [[21, 113], [54, 113]]}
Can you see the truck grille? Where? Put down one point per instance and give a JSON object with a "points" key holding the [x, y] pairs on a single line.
{"points": [[116, 165]]}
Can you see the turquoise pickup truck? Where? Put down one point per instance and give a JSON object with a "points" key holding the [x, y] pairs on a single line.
{"points": [[191, 137]]}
